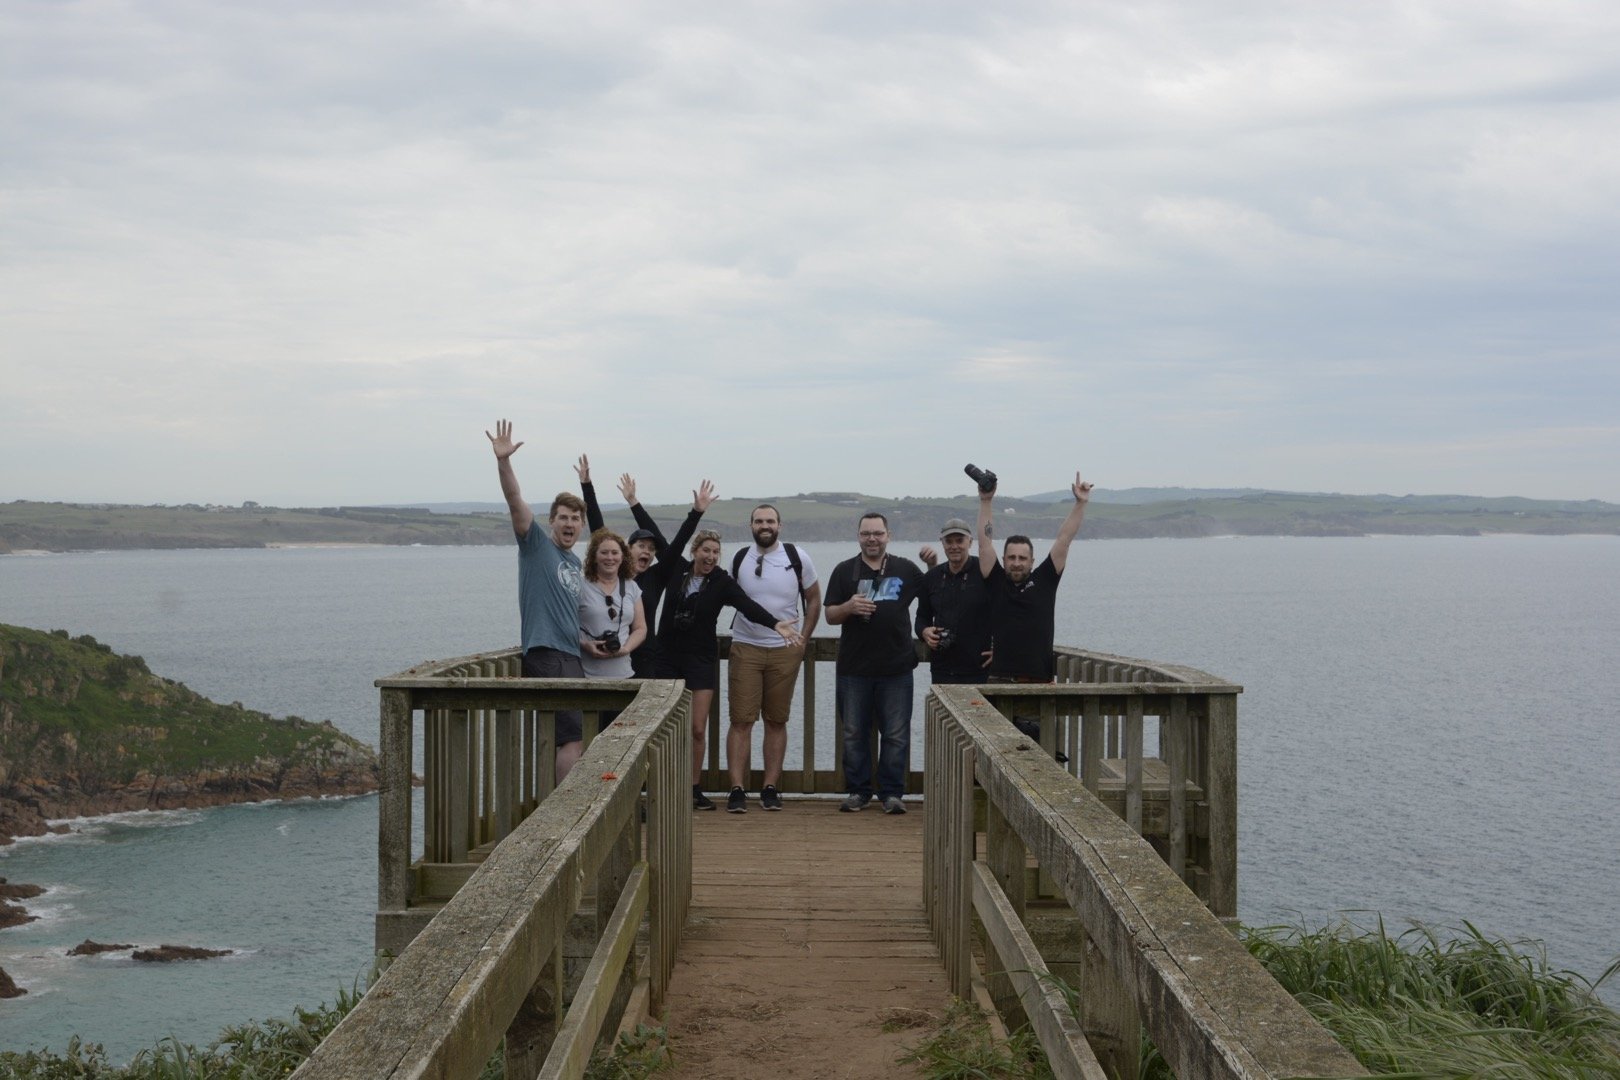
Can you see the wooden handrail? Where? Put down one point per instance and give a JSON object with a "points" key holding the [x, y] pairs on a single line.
{"points": [[1208, 1006], [490, 964]]}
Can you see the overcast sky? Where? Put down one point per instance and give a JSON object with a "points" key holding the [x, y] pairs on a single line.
{"points": [[307, 253]]}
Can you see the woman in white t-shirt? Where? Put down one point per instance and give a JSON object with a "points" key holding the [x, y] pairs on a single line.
{"points": [[611, 621]]}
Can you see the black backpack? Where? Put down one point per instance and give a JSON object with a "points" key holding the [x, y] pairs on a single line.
{"points": [[793, 561]]}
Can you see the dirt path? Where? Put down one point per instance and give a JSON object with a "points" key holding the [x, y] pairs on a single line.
{"points": [[806, 940]]}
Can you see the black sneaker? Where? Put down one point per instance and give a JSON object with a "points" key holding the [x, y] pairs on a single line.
{"points": [[770, 798], [701, 801], [737, 802]]}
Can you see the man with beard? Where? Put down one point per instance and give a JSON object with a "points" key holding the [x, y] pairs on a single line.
{"points": [[870, 597], [1023, 596], [549, 579], [764, 666]]}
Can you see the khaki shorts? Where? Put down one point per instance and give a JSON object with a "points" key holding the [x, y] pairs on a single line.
{"points": [[761, 681]]}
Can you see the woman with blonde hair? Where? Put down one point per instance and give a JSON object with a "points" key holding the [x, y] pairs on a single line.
{"points": [[687, 646]]}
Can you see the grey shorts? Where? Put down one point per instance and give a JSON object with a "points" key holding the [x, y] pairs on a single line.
{"points": [[541, 662]]}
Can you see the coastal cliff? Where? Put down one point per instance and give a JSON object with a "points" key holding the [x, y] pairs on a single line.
{"points": [[86, 731]]}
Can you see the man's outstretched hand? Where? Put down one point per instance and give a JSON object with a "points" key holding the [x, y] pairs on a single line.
{"points": [[501, 442], [1080, 489]]}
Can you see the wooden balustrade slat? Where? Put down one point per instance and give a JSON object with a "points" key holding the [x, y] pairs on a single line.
{"points": [[1133, 763], [1173, 737], [571, 1052], [1067, 1052]]}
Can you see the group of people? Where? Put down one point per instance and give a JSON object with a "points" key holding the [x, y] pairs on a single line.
{"points": [[645, 607]]}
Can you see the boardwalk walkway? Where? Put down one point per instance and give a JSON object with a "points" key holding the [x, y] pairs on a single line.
{"points": [[806, 936]]}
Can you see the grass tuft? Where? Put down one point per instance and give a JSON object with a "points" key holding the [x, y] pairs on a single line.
{"points": [[1445, 1004], [964, 1049], [637, 1054]]}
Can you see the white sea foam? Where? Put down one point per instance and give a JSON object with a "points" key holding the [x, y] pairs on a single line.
{"points": [[99, 824], [53, 907], [89, 830]]}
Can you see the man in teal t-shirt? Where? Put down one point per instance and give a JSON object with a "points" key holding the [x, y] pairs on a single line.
{"points": [[549, 579]]}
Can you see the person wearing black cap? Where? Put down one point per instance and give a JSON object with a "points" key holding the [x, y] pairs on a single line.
{"points": [[646, 545], [953, 609]]}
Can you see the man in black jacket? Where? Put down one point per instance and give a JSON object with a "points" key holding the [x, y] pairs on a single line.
{"points": [[953, 610]]}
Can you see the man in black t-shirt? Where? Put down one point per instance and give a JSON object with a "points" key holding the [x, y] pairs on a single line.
{"points": [[869, 597], [1023, 596]]}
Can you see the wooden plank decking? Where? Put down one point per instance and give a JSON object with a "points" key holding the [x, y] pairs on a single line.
{"points": [[806, 936]]}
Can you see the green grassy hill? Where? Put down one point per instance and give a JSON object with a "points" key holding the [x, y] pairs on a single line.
{"points": [[817, 515], [85, 730]]}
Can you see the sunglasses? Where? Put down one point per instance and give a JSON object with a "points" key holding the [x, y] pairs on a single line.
{"points": [[612, 612], [759, 566]]}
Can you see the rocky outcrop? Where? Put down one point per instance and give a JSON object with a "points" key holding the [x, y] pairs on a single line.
{"points": [[19, 891], [14, 915], [8, 987], [164, 954], [92, 948], [86, 731]]}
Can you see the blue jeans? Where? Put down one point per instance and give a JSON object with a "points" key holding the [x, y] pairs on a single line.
{"points": [[864, 701]]}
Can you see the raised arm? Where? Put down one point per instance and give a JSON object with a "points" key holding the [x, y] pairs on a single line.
{"points": [[987, 547], [593, 510], [1059, 554], [702, 499], [644, 520], [501, 442]]}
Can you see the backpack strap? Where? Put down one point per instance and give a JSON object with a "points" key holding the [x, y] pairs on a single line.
{"points": [[736, 561], [798, 567]]}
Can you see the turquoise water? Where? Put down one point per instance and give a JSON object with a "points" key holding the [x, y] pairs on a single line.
{"points": [[1429, 730]]}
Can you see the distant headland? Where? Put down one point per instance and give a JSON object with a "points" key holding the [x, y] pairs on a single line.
{"points": [[1133, 513], [85, 731]]}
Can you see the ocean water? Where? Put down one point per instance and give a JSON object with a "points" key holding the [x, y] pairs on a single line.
{"points": [[1429, 729]]}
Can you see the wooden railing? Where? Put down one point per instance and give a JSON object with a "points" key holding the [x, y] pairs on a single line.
{"points": [[1182, 797], [1152, 956], [487, 762], [491, 964]]}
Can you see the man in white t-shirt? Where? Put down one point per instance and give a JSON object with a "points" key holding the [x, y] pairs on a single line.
{"points": [[763, 668]]}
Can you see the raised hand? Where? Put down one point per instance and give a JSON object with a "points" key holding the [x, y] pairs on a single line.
{"points": [[583, 469], [1080, 489], [501, 442], [928, 555], [627, 488], [703, 497]]}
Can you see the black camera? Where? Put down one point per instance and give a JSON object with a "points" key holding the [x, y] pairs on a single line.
{"points": [[983, 477], [947, 638], [610, 640]]}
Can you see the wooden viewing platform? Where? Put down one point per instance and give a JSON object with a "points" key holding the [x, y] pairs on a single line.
{"points": [[538, 921], [806, 936]]}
